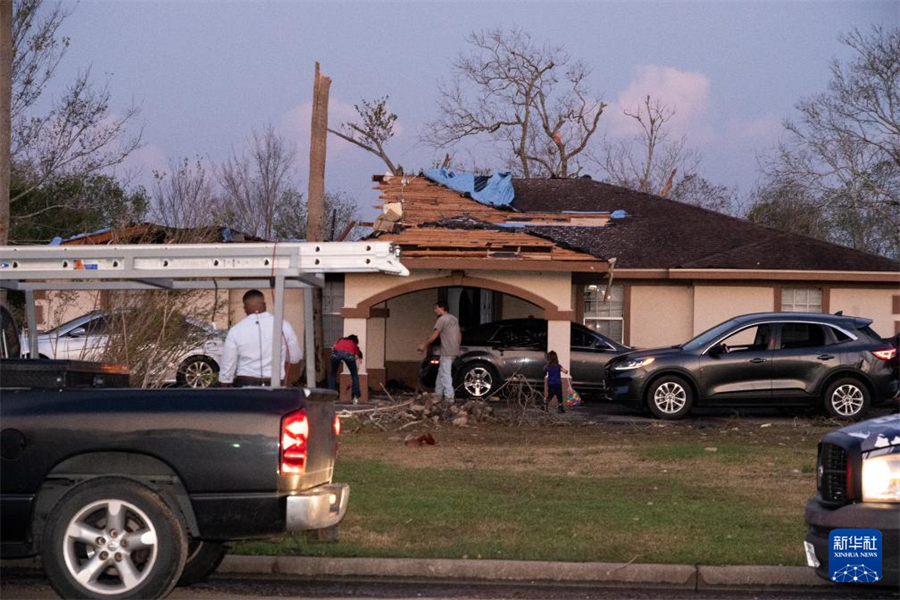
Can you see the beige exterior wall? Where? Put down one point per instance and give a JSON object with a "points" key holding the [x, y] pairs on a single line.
{"points": [[59, 307], [873, 304], [410, 321], [661, 315], [516, 308], [554, 286], [716, 303], [376, 333]]}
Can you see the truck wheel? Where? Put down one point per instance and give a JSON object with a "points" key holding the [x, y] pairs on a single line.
{"points": [[846, 399], [670, 398], [113, 538], [202, 561], [198, 372]]}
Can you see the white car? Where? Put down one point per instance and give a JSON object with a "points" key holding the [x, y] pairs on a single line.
{"points": [[87, 336]]}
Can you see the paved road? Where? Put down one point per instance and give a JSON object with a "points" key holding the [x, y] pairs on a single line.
{"points": [[31, 585]]}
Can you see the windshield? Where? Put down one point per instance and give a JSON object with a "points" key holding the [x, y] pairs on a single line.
{"points": [[710, 335], [66, 326]]}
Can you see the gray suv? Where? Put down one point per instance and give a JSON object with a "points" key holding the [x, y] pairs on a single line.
{"points": [[493, 352]]}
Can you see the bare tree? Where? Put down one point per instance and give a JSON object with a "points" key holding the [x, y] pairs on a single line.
{"points": [[374, 128], [645, 162], [341, 214], [788, 207], [259, 180], [6, 61], [530, 98], [80, 135], [844, 149], [699, 191], [184, 197]]}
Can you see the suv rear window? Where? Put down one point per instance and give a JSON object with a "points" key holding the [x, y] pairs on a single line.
{"points": [[871, 333], [801, 335]]}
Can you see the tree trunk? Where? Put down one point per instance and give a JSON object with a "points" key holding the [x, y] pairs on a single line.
{"points": [[6, 50], [315, 207]]}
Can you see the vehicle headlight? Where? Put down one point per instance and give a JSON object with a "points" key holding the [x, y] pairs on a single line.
{"points": [[634, 363], [881, 478]]}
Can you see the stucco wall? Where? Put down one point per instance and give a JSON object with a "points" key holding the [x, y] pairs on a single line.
{"points": [[411, 320], [556, 287], [874, 304], [716, 303], [661, 315], [59, 307]]}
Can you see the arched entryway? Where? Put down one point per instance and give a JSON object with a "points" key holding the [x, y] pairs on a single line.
{"points": [[393, 320]]}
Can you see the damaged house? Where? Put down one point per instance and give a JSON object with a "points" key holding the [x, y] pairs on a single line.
{"points": [[641, 269]]}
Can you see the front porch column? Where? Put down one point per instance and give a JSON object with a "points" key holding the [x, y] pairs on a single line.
{"points": [[559, 336], [359, 328], [375, 348]]}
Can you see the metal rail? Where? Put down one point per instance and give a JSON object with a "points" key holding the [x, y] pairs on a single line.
{"points": [[192, 267]]}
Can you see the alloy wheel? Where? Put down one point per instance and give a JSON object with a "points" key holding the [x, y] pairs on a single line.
{"points": [[199, 374], [670, 397], [847, 400], [110, 547], [478, 382]]}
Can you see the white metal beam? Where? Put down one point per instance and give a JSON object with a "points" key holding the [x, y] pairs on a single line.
{"points": [[196, 266], [185, 261]]}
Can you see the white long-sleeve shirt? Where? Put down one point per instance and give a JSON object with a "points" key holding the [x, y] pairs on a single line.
{"points": [[248, 348]]}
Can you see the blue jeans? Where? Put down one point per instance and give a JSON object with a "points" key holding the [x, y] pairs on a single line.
{"points": [[444, 384], [337, 357]]}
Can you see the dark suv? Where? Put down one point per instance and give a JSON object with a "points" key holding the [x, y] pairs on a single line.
{"points": [[493, 352], [764, 359]]}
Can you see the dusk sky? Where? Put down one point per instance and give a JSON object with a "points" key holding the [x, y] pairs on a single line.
{"points": [[205, 74]]}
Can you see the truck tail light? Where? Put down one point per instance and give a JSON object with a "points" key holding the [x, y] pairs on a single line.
{"points": [[337, 425], [885, 354], [294, 436]]}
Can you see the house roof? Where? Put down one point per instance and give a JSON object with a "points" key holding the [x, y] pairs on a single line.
{"points": [[660, 233], [586, 219], [152, 233]]}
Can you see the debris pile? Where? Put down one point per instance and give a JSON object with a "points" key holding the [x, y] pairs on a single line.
{"points": [[423, 409]]}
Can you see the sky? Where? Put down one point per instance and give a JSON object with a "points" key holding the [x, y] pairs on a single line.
{"points": [[205, 74]]}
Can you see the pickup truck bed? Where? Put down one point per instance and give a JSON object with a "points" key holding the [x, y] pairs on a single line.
{"points": [[213, 457]]}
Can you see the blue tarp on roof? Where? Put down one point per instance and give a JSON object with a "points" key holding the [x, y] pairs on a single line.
{"points": [[493, 190]]}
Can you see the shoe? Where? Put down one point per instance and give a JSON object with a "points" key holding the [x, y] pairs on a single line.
{"points": [[561, 410], [355, 400]]}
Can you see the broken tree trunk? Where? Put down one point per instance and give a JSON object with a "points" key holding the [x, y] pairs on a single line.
{"points": [[315, 208]]}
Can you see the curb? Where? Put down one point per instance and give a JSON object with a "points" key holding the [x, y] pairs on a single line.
{"points": [[684, 577], [510, 571]]}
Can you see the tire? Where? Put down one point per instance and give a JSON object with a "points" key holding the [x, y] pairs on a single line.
{"points": [[670, 397], [477, 380], [846, 399], [149, 538], [198, 372], [202, 561]]}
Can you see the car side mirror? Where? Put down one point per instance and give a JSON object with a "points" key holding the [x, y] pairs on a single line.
{"points": [[78, 332]]}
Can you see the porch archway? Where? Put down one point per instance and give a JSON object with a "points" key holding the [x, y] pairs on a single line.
{"points": [[363, 309]]}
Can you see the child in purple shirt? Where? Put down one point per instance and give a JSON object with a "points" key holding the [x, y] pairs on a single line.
{"points": [[553, 382]]}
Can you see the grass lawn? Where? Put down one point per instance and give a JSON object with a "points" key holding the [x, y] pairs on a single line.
{"points": [[667, 493]]}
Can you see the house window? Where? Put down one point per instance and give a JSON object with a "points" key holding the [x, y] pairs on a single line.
{"points": [[801, 300], [605, 315], [332, 302]]}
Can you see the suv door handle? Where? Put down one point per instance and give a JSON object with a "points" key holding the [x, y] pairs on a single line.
{"points": [[758, 361], [825, 356]]}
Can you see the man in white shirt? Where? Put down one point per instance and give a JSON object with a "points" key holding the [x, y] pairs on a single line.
{"points": [[247, 355]]}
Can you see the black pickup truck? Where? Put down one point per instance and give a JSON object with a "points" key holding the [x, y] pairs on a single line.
{"points": [[858, 487], [125, 493]]}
